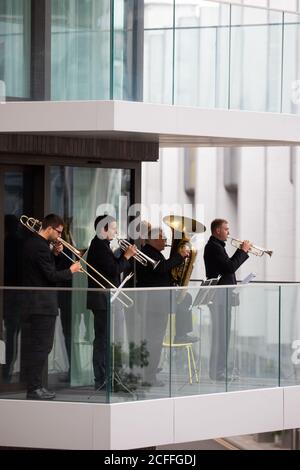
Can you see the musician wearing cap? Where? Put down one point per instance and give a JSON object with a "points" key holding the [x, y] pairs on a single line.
{"points": [[102, 258], [217, 262], [158, 304], [39, 270]]}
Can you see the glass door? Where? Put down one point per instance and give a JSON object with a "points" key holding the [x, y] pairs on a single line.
{"points": [[22, 192], [79, 195]]}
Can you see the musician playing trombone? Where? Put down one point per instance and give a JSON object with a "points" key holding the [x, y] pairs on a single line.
{"points": [[101, 257], [217, 262], [39, 270]]}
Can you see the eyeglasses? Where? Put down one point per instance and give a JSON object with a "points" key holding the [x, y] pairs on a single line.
{"points": [[58, 231]]}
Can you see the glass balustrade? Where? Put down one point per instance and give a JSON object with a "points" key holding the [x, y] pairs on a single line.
{"points": [[207, 54], [159, 343]]}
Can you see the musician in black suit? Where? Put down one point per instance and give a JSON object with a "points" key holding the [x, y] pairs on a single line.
{"points": [[12, 299], [39, 270], [159, 303], [102, 258], [217, 262]]}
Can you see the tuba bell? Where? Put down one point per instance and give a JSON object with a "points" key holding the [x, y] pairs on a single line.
{"points": [[182, 229]]}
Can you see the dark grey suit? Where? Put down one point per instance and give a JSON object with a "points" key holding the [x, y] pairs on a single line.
{"points": [[217, 262], [40, 307], [101, 257]]}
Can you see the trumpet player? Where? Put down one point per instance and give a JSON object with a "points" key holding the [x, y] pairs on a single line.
{"points": [[39, 270], [101, 257], [217, 262]]}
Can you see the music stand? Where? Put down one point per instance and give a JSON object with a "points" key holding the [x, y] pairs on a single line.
{"points": [[205, 296], [235, 375]]}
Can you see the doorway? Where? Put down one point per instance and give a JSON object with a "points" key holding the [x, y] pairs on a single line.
{"points": [[22, 192], [77, 193]]}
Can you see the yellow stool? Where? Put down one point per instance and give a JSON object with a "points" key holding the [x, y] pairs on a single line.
{"points": [[168, 342]]}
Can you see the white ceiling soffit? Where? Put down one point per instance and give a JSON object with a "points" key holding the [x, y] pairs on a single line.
{"points": [[171, 126]]}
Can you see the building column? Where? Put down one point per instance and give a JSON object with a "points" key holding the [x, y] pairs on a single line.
{"points": [[40, 50]]}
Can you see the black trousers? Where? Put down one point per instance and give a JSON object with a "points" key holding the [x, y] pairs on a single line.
{"points": [[41, 336], [220, 310], [158, 307], [100, 346], [183, 317], [13, 304]]}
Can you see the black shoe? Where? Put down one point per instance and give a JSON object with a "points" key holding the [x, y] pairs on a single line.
{"points": [[221, 377], [153, 383], [158, 383], [185, 339], [40, 394]]}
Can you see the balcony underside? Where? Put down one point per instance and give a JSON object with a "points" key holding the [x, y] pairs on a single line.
{"points": [[167, 126]]}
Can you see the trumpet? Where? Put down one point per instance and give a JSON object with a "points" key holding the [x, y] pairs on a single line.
{"points": [[254, 250], [140, 256], [34, 225]]}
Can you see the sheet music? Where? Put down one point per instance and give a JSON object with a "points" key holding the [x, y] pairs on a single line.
{"points": [[248, 278]]}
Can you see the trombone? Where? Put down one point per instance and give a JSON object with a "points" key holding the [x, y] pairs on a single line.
{"points": [[255, 250], [140, 256], [31, 223]]}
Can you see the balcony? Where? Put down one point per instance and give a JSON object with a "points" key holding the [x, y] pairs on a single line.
{"points": [[256, 342]]}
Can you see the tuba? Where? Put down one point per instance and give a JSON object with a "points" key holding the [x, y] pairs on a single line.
{"points": [[182, 229]]}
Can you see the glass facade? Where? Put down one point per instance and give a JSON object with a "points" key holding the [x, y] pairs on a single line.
{"points": [[291, 65], [257, 330], [256, 54], [206, 54], [15, 41], [80, 50]]}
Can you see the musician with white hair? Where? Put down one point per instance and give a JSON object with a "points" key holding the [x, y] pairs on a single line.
{"points": [[158, 302]]}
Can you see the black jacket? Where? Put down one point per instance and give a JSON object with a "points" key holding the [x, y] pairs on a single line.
{"points": [[161, 275], [39, 270], [218, 262], [101, 257]]}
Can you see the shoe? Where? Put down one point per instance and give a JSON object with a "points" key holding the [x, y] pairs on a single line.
{"points": [[186, 339], [40, 394], [158, 383], [153, 383], [221, 377]]}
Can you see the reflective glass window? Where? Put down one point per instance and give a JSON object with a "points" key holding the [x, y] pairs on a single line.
{"points": [[158, 66], [15, 48], [201, 69], [291, 65], [255, 68], [159, 13], [80, 50]]}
